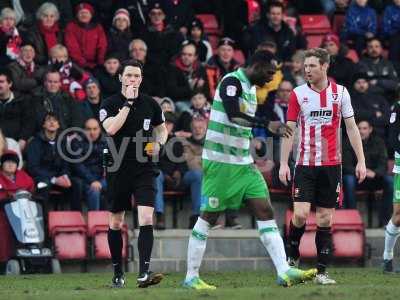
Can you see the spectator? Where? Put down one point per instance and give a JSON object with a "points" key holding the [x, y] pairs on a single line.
{"points": [[25, 73], [154, 74], [200, 108], [369, 105], [196, 35], [272, 27], [72, 76], [91, 106], [342, 5], [271, 86], [295, 72], [381, 73], [46, 33], [51, 99], [375, 160], [47, 167], [120, 34], [10, 40], [221, 63], [171, 172], [138, 11], [282, 100], [85, 39], [12, 179], [391, 31], [7, 143], [16, 115], [341, 68], [360, 24], [185, 76], [107, 75], [179, 14], [167, 105], [90, 171], [162, 40]]}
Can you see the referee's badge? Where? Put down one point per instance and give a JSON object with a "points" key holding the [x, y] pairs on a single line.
{"points": [[102, 114], [146, 124], [392, 117]]}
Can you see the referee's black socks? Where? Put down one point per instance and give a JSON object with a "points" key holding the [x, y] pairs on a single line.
{"points": [[145, 246], [323, 241], [115, 244], [295, 234]]}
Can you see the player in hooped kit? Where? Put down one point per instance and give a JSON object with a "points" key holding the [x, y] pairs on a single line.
{"points": [[317, 108]]}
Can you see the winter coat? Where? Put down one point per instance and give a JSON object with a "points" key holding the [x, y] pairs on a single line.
{"points": [[8, 187], [118, 42], [22, 81], [359, 20], [35, 36], [16, 117], [91, 169], [382, 70], [391, 20], [66, 109], [44, 160], [109, 84], [375, 156], [87, 44]]}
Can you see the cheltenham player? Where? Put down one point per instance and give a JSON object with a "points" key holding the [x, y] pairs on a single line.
{"points": [[317, 107]]}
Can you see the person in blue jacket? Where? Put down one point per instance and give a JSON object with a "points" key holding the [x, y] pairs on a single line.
{"points": [[391, 30], [360, 25]]}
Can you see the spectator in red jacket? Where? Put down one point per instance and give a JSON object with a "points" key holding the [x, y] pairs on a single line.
{"points": [[85, 39], [12, 179]]}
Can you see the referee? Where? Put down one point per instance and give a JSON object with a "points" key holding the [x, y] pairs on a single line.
{"points": [[132, 118]]}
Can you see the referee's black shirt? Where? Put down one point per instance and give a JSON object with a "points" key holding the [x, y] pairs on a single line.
{"points": [[141, 120]]}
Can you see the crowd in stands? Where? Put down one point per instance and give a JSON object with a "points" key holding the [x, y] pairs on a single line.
{"points": [[60, 59]]}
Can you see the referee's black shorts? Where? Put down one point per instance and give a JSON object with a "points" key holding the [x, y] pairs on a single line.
{"points": [[319, 185], [130, 180]]}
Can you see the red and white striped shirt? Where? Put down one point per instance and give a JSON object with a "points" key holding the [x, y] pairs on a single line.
{"points": [[318, 116]]}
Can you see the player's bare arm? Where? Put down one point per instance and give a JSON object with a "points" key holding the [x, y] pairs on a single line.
{"points": [[286, 148], [356, 143]]}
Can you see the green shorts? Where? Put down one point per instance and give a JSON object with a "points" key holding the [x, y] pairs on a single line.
{"points": [[226, 186], [396, 189]]}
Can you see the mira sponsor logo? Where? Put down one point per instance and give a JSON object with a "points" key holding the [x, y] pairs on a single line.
{"points": [[321, 113]]}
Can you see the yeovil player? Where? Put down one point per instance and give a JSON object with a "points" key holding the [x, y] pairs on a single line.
{"points": [[229, 173]]}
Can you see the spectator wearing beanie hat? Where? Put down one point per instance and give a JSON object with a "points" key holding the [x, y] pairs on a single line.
{"points": [[85, 39], [12, 179], [91, 106], [196, 35], [107, 75], [161, 38], [341, 68], [120, 34]]}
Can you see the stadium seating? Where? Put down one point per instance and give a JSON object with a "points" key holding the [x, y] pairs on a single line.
{"points": [[210, 23], [314, 40], [68, 228], [315, 24], [338, 22], [348, 235], [239, 56], [97, 229], [177, 198]]}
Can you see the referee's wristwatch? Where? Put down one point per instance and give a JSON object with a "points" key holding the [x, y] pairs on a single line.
{"points": [[129, 105]]}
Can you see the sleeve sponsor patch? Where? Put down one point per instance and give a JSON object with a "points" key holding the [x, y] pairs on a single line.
{"points": [[102, 115], [392, 117], [231, 90]]}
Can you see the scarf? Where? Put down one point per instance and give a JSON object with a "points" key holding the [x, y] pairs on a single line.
{"points": [[13, 44], [49, 34], [29, 68]]}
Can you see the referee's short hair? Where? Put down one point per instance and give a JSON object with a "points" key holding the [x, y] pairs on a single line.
{"points": [[130, 63], [320, 53]]}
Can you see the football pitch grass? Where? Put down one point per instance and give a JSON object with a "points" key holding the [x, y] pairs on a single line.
{"points": [[353, 283]]}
